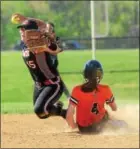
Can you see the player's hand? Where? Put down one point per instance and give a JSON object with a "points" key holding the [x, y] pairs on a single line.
{"points": [[59, 50], [53, 52], [74, 126]]}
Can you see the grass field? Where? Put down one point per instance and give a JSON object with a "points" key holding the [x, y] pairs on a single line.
{"points": [[121, 72]]}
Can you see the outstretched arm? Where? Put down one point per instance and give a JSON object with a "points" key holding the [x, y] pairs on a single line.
{"points": [[70, 116], [113, 106], [111, 100]]}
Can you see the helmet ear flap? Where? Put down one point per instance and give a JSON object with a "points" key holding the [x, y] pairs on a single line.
{"points": [[99, 75]]}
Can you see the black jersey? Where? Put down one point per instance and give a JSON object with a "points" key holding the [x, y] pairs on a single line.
{"points": [[53, 46], [54, 58], [40, 66]]}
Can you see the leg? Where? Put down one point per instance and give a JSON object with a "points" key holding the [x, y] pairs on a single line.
{"points": [[37, 91], [63, 111], [66, 91], [59, 104], [95, 127], [44, 103]]}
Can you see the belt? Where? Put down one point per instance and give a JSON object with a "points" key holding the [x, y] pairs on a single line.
{"points": [[52, 81], [49, 82]]}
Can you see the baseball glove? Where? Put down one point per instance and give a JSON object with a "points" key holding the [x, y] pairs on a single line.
{"points": [[35, 41]]}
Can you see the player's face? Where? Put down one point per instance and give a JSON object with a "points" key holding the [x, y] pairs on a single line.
{"points": [[21, 31], [49, 28]]}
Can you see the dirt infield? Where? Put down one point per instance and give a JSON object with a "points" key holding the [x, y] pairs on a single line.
{"points": [[27, 131]]}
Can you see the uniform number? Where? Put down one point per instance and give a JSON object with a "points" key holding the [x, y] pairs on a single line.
{"points": [[95, 108], [31, 64]]}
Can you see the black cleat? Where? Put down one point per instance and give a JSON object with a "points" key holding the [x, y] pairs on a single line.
{"points": [[59, 104], [56, 109]]}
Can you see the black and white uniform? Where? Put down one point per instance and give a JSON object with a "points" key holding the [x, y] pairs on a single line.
{"points": [[48, 86], [55, 62]]}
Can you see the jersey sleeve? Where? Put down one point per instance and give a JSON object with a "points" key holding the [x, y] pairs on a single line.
{"points": [[43, 66], [109, 96], [73, 98]]}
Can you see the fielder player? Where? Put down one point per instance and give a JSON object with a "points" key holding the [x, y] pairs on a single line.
{"points": [[48, 28], [89, 99], [48, 86]]}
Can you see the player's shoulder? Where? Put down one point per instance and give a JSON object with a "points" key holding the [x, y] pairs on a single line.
{"points": [[105, 90], [74, 98], [77, 87], [76, 90], [103, 87]]}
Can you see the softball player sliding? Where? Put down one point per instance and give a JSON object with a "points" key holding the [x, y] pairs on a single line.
{"points": [[89, 99]]}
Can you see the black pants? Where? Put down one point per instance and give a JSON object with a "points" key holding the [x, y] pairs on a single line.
{"points": [[94, 128], [44, 98]]}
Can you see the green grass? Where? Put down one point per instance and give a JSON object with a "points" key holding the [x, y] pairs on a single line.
{"points": [[17, 86]]}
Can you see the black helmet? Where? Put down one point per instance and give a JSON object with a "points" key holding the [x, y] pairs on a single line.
{"points": [[28, 25], [93, 70]]}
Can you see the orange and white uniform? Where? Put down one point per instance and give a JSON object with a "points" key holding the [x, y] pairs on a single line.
{"points": [[90, 105]]}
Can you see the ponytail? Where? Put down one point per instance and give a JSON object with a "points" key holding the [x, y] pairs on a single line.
{"points": [[89, 86], [92, 73]]}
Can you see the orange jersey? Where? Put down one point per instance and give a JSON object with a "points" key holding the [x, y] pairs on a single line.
{"points": [[90, 106]]}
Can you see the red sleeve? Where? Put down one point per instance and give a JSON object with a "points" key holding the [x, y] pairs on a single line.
{"points": [[109, 96], [73, 98]]}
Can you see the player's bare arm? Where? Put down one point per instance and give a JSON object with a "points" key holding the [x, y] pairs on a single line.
{"points": [[113, 106], [40, 58], [111, 100], [70, 116]]}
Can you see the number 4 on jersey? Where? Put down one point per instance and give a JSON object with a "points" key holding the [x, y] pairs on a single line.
{"points": [[95, 108]]}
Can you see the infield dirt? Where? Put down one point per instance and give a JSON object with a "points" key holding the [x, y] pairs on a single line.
{"points": [[27, 131]]}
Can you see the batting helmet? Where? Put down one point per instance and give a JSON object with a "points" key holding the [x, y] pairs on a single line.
{"points": [[93, 70]]}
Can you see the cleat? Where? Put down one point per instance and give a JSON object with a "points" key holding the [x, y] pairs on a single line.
{"points": [[59, 104]]}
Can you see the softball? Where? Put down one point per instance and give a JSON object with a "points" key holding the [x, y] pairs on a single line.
{"points": [[15, 19]]}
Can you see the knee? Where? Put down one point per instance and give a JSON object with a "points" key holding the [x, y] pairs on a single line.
{"points": [[40, 113]]}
